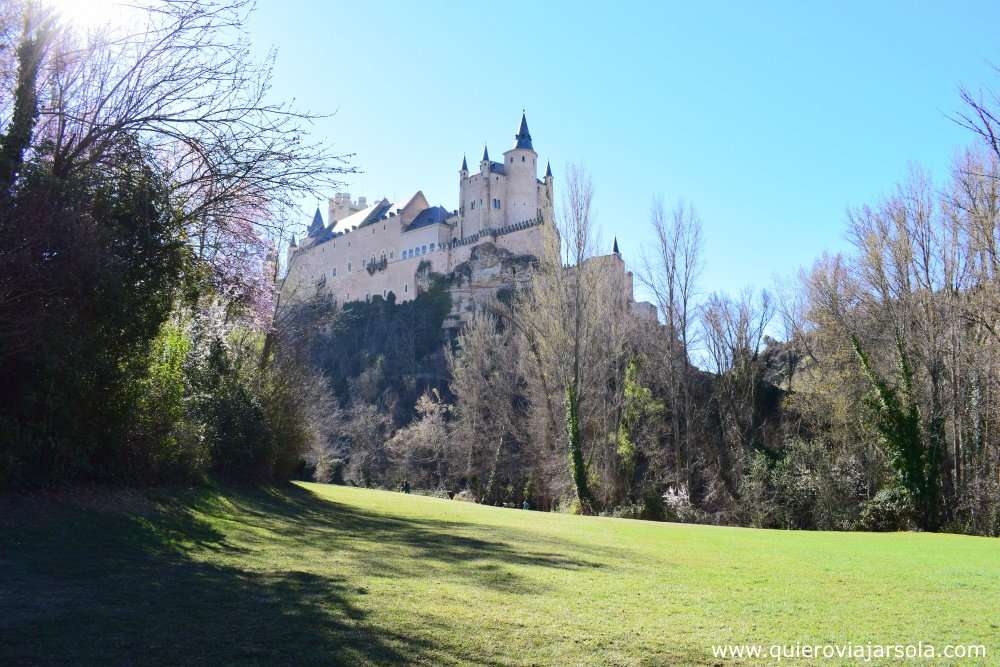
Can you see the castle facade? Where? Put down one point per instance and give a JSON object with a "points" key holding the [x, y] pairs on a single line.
{"points": [[368, 250]]}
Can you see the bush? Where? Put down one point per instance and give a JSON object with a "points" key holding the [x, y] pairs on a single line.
{"points": [[757, 495], [167, 444], [677, 507], [329, 470], [569, 505], [241, 442], [890, 510], [465, 496], [649, 508]]}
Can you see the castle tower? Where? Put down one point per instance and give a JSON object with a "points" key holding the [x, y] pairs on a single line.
{"points": [[463, 176], [547, 203], [484, 213], [520, 166]]}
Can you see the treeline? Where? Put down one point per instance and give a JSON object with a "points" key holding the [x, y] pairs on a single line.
{"points": [[142, 176]]}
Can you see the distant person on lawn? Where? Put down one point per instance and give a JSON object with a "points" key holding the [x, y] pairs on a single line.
{"points": [[525, 505]]}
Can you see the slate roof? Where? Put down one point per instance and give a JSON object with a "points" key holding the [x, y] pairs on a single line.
{"points": [[429, 216], [317, 224], [523, 137]]}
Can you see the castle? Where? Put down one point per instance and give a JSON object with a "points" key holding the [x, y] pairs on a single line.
{"points": [[368, 250]]}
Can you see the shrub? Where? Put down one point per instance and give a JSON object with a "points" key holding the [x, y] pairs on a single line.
{"points": [[650, 507], [757, 495], [329, 470], [677, 507], [465, 496], [890, 510], [167, 443]]}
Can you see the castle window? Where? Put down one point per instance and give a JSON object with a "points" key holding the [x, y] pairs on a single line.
{"points": [[472, 204], [522, 158], [333, 274], [392, 254], [406, 288], [423, 250], [348, 267], [496, 203]]}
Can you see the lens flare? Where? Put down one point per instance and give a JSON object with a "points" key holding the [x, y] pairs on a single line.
{"points": [[85, 14]]}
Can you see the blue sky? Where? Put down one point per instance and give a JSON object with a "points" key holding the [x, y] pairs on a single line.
{"points": [[772, 118]]}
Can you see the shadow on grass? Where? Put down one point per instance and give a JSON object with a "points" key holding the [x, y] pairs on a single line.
{"points": [[405, 546], [169, 587]]}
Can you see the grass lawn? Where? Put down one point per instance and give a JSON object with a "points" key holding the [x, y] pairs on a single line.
{"points": [[336, 575]]}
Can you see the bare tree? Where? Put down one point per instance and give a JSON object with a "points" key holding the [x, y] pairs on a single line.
{"points": [[575, 323], [488, 412], [671, 274], [180, 77], [733, 336]]}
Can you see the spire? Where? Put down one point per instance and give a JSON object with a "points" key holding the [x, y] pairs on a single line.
{"points": [[317, 224], [615, 248], [523, 137], [486, 154], [465, 165], [548, 170]]}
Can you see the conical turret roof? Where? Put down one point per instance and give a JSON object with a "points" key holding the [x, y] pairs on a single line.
{"points": [[523, 137], [317, 223]]}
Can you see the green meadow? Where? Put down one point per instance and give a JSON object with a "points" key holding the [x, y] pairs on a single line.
{"points": [[316, 574]]}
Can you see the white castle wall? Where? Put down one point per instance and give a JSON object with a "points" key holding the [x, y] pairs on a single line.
{"points": [[518, 223], [338, 266]]}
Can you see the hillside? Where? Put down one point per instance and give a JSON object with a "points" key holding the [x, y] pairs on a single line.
{"points": [[323, 574]]}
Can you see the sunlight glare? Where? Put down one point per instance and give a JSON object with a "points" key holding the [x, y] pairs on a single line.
{"points": [[86, 14]]}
